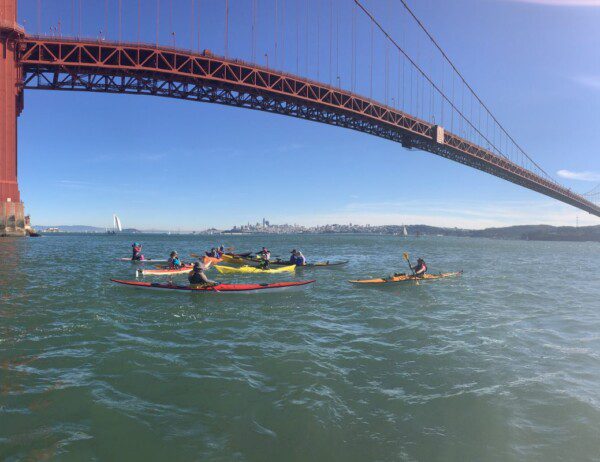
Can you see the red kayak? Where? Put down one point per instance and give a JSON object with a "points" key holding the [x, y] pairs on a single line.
{"points": [[271, 287]]}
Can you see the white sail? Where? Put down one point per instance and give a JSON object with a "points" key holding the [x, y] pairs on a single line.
{"points": [[404, 232], [118, 226]]}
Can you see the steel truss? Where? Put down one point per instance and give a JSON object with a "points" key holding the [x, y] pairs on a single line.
{"points": [[60, 64]]}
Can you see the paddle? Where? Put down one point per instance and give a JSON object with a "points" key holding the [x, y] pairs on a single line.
{"points": [[405, 256]]}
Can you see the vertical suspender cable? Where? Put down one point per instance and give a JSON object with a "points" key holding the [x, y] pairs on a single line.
{"points": [[442, 99], [353, 40], [306, 38], [192, 15], [199, 22], [139, 25], [120, 21], [297, 38], [330, 40], [226, 28], [171, 31], [80, 6], [282, 34], [318, 40], [275, 36], [337, 45], [371, 67], [254, 31], [105, 19], [157, 20], [72, 17]]}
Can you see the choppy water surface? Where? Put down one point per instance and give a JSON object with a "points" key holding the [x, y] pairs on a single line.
{"points": [[501, 364]]}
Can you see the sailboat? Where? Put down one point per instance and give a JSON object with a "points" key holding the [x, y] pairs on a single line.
{"points": [[404, 232], [117, 228]]}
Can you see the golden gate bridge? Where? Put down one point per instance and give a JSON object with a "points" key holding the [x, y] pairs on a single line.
{"points": [[364, 65]]}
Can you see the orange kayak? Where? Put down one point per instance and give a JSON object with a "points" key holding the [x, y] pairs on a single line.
{"points": [[406, 278]]}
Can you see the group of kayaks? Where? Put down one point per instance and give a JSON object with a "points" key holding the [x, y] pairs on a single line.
{"points": [[248, 264]]}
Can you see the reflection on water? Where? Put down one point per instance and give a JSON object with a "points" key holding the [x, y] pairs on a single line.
{"points": [[496, 365]]}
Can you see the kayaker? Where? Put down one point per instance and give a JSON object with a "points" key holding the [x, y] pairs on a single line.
{"points": [[136, 252], [174, 261], [420, 268], [297, 258], [265, 256], [198, 278]]}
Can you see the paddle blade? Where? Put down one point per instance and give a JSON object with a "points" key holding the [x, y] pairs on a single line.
{"points": [[405, 256]]}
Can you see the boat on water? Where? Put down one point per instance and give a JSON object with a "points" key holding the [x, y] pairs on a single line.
{"points": [[254, 270], [404, 231], [219, 288], [240, 261], [117, 227], [319, 264], [146, 260], [164, 271], [406, 278]]}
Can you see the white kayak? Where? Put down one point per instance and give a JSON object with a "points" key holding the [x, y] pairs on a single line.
{"points": [[149, 260]]}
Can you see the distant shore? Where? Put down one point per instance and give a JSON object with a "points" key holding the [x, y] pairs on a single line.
{"points": [[524, 232]]}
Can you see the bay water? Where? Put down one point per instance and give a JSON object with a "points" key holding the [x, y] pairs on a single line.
{"points": [[502, 363]]}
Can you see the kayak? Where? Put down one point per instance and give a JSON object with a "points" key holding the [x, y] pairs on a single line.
{"points": [[241, 255], [164, 271], [250, 269], [149, 260], [240, 260], [407, 277], [231, 288], [212, 260], [319, 264]]}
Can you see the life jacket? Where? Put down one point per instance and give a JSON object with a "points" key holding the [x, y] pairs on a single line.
{"points": [[196, 278]]}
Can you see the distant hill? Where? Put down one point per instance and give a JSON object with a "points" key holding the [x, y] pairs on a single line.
{"points": [[83, 229], [72, 228], [541, 233]]}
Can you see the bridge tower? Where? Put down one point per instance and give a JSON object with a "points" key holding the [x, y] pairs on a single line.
{"points": [[12, 219]]}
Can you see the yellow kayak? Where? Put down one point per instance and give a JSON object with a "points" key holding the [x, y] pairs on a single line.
{"points": [[407, 277], [250, 269]]}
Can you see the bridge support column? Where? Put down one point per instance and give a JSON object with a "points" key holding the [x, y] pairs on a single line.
{"points": [[12, 216]]}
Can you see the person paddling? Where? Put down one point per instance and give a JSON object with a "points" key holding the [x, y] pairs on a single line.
{"points": [[297, 258], [174, 261], [420, 268], [136, 252], [265, 256], [197, 277]]}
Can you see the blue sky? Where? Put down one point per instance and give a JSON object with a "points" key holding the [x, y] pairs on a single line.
{"points": [[161, 163]]}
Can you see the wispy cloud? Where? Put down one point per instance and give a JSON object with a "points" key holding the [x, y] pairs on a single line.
{"points": [[562, 2], [580, 176], [590, 81]]}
